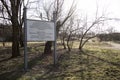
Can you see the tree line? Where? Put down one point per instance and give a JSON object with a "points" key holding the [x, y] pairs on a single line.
{"points": [[109, 37]]}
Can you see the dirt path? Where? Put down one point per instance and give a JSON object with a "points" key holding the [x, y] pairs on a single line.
{"points": [[114, 45]]}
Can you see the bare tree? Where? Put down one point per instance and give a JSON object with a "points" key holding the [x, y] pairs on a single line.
{"points": [[63, 34], [70, 30], [13, 10], [69, 41], [86, 28], [70, 33], [57, 6], [2, 15]]}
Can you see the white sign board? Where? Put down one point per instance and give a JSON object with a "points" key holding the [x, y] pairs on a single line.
{"points": [[40, 30]]}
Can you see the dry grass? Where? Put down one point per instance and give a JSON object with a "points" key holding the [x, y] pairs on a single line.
{"points": [[95, 63]]}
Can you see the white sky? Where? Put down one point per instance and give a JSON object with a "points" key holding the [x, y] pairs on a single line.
{"points": [[111, 9], [89, 6], [108, 6]]}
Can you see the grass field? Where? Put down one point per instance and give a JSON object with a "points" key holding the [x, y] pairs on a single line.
{"points": [[98, 62]]}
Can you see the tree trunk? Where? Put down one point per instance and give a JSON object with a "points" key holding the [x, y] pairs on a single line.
{"points": [[21, 42], [48, 46], [63, 43], [3, 36], [69, 49], [15, 40], [21, 39], [80, 47], [3, 44], [80, 44]]}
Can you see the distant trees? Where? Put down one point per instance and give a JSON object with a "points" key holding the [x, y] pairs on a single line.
{"points": [[109, 37], [6, 33], [3, 22]]}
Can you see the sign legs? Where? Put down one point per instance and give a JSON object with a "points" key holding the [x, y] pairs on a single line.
{"points": [[25, 41], [54, 54]]}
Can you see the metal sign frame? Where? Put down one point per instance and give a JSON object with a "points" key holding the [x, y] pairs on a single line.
{"points": [[25, 40]]}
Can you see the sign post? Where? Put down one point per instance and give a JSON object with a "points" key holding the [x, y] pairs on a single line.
{"points": [[36, 30], [54, 54], [25, 40]]}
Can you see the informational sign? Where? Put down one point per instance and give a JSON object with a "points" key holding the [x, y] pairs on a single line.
{"points": [[40, 30]]}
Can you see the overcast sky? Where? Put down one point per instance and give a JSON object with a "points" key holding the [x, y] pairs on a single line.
{"points": [[108, 6], [111, 8]]}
